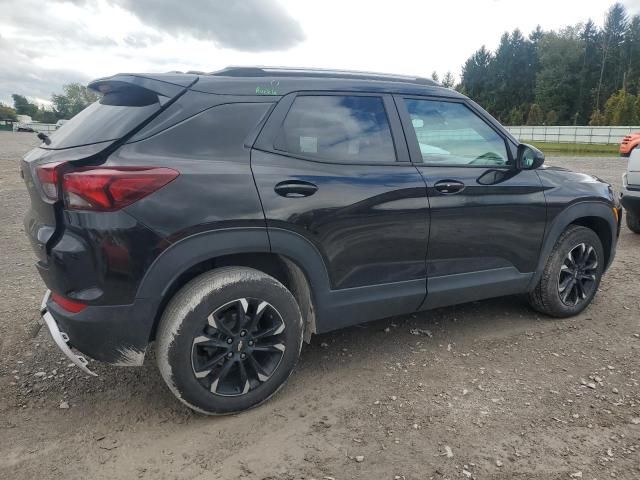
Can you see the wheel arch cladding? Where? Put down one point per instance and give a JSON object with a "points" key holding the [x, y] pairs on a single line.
{"points": [[234, 247], [597, 216]]}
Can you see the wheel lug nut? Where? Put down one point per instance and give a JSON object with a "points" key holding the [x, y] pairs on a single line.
{"points": [[251, 343], [230, 354], [229, 340], [243, 333], [243, 356]]}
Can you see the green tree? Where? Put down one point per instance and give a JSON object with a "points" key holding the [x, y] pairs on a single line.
{"points": [[476, 78], [597, 119], [46, 115], [589, 71], [561, 57], [632, 53], [535, 116], [552, 118], [516, 116], [612, 66], [448, 81], [6, 112], [620, 109], [76, 97], [435, 77], [22, 106]]}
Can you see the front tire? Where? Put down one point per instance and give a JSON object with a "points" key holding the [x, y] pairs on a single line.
{"points": [[633, 221], [572, 274], [228, 340]]}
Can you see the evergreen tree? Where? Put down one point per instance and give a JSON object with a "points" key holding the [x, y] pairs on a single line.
{"points": [[535, 116], [590, 71], [612, 67], [24, 106], [448, 81], [572, 72], [561, 57], [632, 54], [597, 119], [620, 109], [476, 78]]}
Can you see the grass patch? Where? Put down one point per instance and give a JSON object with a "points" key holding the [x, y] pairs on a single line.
{"points": [[576, 149]]}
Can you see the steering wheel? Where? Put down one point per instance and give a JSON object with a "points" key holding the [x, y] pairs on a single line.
{"points": [[489, 158]]}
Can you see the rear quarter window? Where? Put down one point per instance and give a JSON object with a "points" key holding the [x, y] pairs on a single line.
{"points": [[218, 133]]}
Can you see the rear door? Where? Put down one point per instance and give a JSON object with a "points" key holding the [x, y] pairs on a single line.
{"points": [[334, 169], [487, 217]]}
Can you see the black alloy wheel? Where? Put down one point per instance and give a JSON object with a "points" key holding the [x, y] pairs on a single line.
{"points": [[578, 274], [240, 347]]}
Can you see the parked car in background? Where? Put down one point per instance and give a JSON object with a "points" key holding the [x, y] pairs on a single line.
{"points": [[36, 127], [631, 186], [230, 216], [629, 142]]}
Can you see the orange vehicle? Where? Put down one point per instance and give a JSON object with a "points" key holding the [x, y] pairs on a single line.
{"points": [[629, 142]]}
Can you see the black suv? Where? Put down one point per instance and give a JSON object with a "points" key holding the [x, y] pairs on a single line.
{"points": [[230, 216]]}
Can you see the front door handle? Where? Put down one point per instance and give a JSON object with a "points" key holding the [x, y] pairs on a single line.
{"points": [[295, 189], [449, 187]]}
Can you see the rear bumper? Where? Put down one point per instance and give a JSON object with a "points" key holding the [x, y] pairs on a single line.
{"points": [[62, 339], [118, 335]]}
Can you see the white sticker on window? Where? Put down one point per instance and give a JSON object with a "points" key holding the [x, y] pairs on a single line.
{"points": [[309, 144]]}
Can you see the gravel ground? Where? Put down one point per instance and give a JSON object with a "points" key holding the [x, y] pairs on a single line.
{"points": [[493, 391]]}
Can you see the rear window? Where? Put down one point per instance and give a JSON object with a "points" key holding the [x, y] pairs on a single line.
{"points": [[111, 117]]}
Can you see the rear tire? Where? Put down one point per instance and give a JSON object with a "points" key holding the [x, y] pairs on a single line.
{"points": [[633, 221], [228, 340], [572, 274]]}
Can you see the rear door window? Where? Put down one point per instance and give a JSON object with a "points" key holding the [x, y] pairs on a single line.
{"points": [[336, 128], [111, 117]]}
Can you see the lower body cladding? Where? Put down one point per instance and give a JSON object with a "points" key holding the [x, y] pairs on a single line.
{"points": [[117, 335]]}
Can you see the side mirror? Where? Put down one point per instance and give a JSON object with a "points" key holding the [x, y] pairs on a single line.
{"points": [[529, 157]]}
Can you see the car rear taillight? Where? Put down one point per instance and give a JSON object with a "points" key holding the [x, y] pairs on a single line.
{"points": [[49, 176], [103, 189], [69, 305], [112, 188]]}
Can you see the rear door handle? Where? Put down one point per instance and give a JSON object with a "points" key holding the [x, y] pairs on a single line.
{"points": [[295, 189], [449, 187]]}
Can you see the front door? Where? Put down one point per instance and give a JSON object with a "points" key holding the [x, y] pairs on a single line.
{"points": [[487, 217]]}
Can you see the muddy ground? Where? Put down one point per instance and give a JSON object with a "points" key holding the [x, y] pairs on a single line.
{"points": [[497, 391]]}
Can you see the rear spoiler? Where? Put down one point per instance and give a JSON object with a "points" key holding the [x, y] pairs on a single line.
{"points": [[165, 85]]}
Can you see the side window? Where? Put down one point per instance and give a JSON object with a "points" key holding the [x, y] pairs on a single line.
{"points": [[452, 134], [338, 129]]}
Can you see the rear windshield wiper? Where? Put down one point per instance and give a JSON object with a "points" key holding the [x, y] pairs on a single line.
{"points": [[44, 137]]}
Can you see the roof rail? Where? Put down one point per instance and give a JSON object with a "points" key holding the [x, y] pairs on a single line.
{"points": [[239, 71]]}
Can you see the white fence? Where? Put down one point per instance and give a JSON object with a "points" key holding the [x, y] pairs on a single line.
{"points": [[594, 135], [36, 127]]}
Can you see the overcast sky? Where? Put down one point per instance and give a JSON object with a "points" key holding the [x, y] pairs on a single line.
{"points": [[47, 43]]}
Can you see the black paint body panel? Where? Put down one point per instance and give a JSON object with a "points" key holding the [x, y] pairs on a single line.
{"points": [[373, 240]]}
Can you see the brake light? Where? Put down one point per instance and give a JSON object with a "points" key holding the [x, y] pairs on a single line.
{"points": [[111, 188], [100, 188], [49, 175], [69, 305]]}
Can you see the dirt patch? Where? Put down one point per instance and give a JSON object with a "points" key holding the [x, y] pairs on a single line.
{"points": [[496, 391]]}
